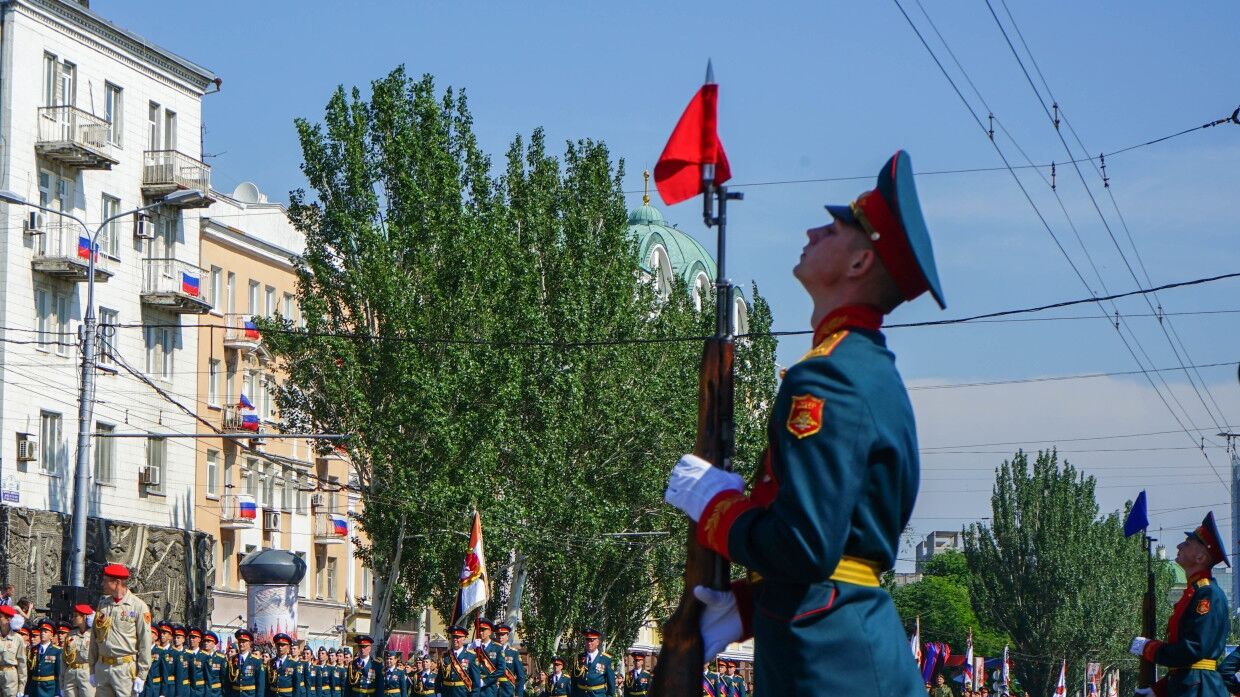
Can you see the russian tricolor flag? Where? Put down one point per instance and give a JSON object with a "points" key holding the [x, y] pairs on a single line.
{"points": [[245, 402], [189, 284], [248, 509], [249, 422], [84, 248], [340, 525], [251, 329]]}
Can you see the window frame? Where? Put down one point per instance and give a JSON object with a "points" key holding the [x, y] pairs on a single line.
{"points": [[114, 111], [105, 454], [108, 321], [51, 441], [217, 290], [213, 473], [111, 245], [213, 382], [157, 456]]}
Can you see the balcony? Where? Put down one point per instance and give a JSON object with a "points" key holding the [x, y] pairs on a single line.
{"points": [[61, 249], [331, 528], [166, 171], [238, 512], [238, 420], [240, 333], [173, 285], [74, 137]]}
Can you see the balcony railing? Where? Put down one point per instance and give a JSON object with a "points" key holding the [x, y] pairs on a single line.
{"points": [[241, 333], [165, 171], [174, 285], [238, 420], [62, 249], [330, 528], [75, 137], [238, 511]]}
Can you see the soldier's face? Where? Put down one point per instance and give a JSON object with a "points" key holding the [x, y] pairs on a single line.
{"points": [[282, 649], [502, 637], [243, 645], [45, 635], [457, 641], [111, 586], [484, 633], [1190, 553], [195, 642], [208, 646], [592, 644], [830, 254]]}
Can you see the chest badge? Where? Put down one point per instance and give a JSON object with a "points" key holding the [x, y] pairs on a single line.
{"points": [[805, 416], [1203, 606]]}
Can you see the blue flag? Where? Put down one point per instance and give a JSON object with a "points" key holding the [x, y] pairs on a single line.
{"points": [[1137, 520]]}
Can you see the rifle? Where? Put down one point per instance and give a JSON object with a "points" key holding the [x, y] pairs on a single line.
{"points": [[1145, 675], [682, 654]]}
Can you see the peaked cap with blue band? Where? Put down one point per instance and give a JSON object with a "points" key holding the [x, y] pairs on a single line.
{"points": [[1207, 534], [891, 215]]}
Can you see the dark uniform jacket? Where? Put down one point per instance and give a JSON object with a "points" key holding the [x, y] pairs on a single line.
{"points": [[395, 683], [362, 679], [154, 684], [179, 685], [312, 674], [458, 674], [213, 672], [43, 677], [558, 685], [424, 682], [491, 666], [197, 673], [593, 678], [515, 666], [1196, 637], [835, 489], [285, 678], [246, 677]]}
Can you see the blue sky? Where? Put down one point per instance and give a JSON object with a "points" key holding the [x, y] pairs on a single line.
{"points": [[823, 90]]}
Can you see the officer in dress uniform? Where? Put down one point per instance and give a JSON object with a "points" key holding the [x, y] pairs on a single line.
{"points": [[180, 686], [1198, 627], [75, 650], [458, 673], [842, 431], [336, 672], [164, 672], [424, 679], [711, 682], [43, 679], [490, 657], [120, 652], [62, 631], [394, 680], [310, 672], [197, 664], [595, 673], [213, 666], [512, 682], [363, 675], [284, 675], [557, 683], [246, 675], [735, 682], [637, 680], [12, 656]]}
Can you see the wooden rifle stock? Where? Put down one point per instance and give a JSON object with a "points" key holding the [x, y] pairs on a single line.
{"points": [[679, 672]]}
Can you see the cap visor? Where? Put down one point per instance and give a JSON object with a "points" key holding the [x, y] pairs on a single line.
{"points": [[843, 213]]}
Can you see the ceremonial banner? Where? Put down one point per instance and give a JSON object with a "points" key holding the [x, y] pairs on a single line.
{"points": [[914, 642], [1061, 685], [1113, 683], [1093, 678], [968, 659], [979, 671], [474, 585], [1007, 674], [694, 144]]}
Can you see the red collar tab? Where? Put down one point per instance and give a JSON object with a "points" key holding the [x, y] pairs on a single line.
{"points": [[1197, 577], [848, 317]]}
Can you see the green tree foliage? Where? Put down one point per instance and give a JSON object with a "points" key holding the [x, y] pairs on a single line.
{"points": [[941, 600], [1056, 576], [484, 336]]}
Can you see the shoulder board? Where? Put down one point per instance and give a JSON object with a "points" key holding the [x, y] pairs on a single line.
{"points": [[607, 654], [827, 346], [1203, 582]]}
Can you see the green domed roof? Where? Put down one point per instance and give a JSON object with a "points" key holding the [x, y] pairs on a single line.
{"points": [[687, 257]]}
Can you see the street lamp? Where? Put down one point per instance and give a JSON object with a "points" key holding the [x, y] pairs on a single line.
{"points": [[86, 384]]}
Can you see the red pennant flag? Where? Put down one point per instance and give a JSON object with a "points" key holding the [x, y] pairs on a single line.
{"points": [[694, 143]]}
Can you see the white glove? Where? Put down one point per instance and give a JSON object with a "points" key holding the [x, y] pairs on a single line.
{"points": [[137, 686], [1138, 646], [721, 621], [1143, 692], [93, 683], [694, 482]]}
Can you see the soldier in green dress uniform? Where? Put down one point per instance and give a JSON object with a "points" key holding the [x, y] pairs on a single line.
{"points": [[424, 678], [735, 681], [213, 665], [161, 662], [337, 672], [837, 483], [711, 684], [1198, 627], [458, 673], [43, 678], [595, 672], [558, 683], [395, 684], [512, 682], [247, 675], [637, 679], [490, 657], [311, 673], [363, 674], [180, 663], [284, 675]]}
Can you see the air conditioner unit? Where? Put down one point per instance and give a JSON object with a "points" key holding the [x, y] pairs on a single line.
{"points": [[27, 448], [143, 228], [271, 521], [35, 223], [149, 476], [317, 500]]}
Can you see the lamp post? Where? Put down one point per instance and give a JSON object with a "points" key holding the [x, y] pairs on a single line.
{"points": [[86, 382]]}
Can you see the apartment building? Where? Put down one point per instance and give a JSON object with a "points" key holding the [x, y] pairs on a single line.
{"points": [[96, 121], [265, 493]]}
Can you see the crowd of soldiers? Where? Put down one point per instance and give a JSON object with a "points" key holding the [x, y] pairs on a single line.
{"points": [[116, 651]]}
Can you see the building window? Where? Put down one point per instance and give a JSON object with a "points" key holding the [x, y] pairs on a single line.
{"points": [[269, 302], [303, 495], [110, 238], [217, 290], [268, 484], [213, 473], [152, 124], [108, 319], [331, 577], [159, 351], [251, 475], [231, 300], [67, 84], [282, 491], [226, 561], [288, 306], [170, 130], [51, 71], [50, 445], [157, 459], [105, 453], [63, 339], [213, 382], [320, 572], [230, 383], [114, 110], [44, 309], [253, 308]]}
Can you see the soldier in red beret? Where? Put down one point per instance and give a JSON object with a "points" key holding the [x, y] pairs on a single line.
{"points": [[76, 647], [12, 656], [120, 655]]}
